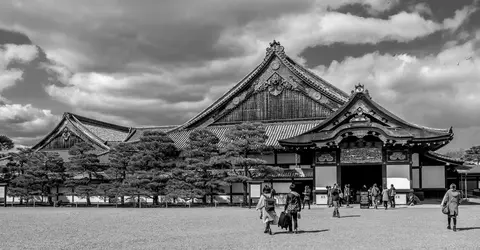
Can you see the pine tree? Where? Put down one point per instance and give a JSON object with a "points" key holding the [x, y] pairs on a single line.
{"points": [[243, 141], [155, 158], [83, 161], [20, 179], [48, 168], [473, 154], [201, 148], [6, 143], [121, 165]]}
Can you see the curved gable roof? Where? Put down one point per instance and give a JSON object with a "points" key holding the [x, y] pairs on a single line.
{"points": [[275, 50]]}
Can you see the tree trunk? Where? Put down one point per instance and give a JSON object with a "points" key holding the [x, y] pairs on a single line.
{"points": [[139, 201], [245, 187], [204, 199], [56, 196], [155, 200], [245, 194], [122, 200], [88, 200], [211, 195]]}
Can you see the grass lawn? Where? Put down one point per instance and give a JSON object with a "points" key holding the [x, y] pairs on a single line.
{"points": [[421, 227]]}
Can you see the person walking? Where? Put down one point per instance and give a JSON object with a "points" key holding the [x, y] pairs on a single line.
{"points": [[385, 196], [347, 194], [391, 193], [375, 195], [450, 203], [293, 208], [266, 205], [335, 200], [306, 198]]}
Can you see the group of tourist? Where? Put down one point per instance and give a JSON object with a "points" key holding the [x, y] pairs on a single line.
{"points": [[376, 196], [293, 205], [292, 208]]}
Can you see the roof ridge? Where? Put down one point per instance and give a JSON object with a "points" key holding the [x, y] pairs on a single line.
{"points": [[229, 92], [343, 96], [277, 50], [159, 126], [81, 119], [89, 133]]}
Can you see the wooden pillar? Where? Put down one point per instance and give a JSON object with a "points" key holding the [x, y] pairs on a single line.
{"points": [[384, 167], [275, 158], [446, 173], [339, 174], [339, 167], [411, 175]]}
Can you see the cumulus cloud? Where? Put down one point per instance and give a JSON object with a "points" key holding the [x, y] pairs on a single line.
{"points": [[439, 90], [10, 54], [19, 121], [137, 64]]}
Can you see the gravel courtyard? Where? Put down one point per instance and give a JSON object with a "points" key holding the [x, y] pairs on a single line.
{"points": [[421, 227]]}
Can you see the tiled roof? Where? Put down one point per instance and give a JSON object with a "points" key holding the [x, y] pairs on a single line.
{"points": [[107, 134], [138, 132], [275, 50], [274, 131], [444, 158]]}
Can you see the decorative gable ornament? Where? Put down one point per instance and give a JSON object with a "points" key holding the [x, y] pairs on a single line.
{"points": [[275, 47], [66, 134], [275, 85], [360, 116]]}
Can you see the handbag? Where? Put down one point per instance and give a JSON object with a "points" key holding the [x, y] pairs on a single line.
{"points": [[445, 209]]}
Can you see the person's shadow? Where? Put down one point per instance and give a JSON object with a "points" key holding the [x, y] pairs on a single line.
{"points": [[467, 228], [349, 216], [304, 231]]}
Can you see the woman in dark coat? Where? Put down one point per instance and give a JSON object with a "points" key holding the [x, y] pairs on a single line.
{"points": [[450, 201]]}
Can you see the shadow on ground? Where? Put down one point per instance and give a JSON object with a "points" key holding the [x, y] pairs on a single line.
{"points": [[350, 216], [305, 231], [467, 228]]}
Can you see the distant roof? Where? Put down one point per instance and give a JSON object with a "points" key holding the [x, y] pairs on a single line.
{"points": [[274, 131], [101, 134]]}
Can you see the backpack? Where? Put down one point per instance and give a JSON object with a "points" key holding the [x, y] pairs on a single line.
{"points": [[269, 204], [294, 205]]}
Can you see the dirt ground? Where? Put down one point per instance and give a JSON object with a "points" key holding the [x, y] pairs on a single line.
{"points": [[421, 227]]}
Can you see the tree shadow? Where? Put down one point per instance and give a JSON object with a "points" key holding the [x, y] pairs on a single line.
{"points": [[304, 231], [349, 216], [467, 228]]}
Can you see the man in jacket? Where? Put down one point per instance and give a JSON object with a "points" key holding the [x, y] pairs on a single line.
{"points": [[293, 207], [336, 200], [391, 193]]}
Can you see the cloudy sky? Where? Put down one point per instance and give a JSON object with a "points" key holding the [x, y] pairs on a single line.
{"points": [[151, 62]]}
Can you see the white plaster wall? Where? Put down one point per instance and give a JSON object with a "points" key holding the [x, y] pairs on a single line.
{"points": [[282, 187], [433, 177], [399, 176], [416, 178], [415, 160], [325, 176], [287, 158], [237, 188]]}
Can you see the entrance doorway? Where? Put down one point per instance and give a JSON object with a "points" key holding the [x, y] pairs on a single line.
{"points": [[359, 175]]}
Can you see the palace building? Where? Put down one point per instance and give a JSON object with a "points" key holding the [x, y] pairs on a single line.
{"points": [[321, 134]]}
